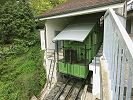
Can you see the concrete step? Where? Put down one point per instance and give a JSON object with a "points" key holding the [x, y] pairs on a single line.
{"points": [[99, 54], [50, 74], [100, 51], [97, 61], [51, 58], [89, 96], [34, 98], [101, 48], [52, 69], [89, 88], [52, 66], [97, 99], [102, 45], [93, 64], [97, 58]]}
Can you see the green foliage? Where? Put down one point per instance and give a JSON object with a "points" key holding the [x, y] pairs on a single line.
{"points": [[4, 1], [21, 61], [56, 2], [16, 22], [40, 6], [22, 76]]}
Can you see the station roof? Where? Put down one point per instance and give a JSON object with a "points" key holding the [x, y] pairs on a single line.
{"points": [[75, 32], [78, 5]]}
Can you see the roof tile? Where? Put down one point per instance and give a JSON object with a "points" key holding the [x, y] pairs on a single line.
{"points": [[78, 5]]}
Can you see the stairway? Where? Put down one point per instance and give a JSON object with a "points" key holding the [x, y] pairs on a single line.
{"points": [[51, 65], [96, 59], [95, 67], [89, 88]]}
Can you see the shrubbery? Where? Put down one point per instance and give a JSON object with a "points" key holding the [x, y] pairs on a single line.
{"points": [[21, 61], [17, 28], [22, 76], [40, 6], [17, 22]]}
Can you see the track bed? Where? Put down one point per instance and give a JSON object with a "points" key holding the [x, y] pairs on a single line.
{"points": [[71, 89]]}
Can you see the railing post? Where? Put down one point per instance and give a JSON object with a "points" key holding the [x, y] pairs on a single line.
{"points": [[129, 85], [115, 71], [122, 77]]}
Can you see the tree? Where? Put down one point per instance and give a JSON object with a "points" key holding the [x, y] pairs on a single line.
{"points": [[40, 6], [16, 22], [6, 23], [4, 1], [56, 2]]}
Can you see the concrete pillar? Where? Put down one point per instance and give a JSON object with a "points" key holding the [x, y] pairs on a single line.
{"points": [[131, 26], [42, 38]]}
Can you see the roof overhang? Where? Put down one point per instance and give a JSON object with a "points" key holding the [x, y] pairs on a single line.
{"points": [[75, 32], [89, 11]]}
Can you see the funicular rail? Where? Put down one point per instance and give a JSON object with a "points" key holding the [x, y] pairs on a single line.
{"points": [[118, 53], [70, 90]]}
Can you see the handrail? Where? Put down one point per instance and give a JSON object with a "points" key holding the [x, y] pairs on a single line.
{"points": [[123, 32], [118, 52]]}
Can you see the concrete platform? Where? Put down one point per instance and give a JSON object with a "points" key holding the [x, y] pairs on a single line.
{"points": [[104, 79]]}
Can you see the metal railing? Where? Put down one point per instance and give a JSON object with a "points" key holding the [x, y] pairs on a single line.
{"points": [[118, 53]]}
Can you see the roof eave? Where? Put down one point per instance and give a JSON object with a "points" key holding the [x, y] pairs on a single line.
{"points": [[88, 11]]}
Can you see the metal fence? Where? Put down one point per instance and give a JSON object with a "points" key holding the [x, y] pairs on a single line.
{"points": [[118, 52]]}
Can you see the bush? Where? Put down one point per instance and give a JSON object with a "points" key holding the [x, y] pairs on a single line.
{"points": [[21, 70], [23, 75], [17, 22]]}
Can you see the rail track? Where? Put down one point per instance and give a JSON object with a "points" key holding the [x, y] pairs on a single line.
{"points": [[69, 90]]}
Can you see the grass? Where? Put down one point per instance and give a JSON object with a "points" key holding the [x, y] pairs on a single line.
{"points": [[23, 75]]}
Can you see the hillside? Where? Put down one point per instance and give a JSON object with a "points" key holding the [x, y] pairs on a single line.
{"points": [[21, 76]]}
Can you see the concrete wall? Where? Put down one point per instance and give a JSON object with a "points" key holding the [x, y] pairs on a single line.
{"points": [[96, 79], [119, 10], [131, 26], [128, 25]]}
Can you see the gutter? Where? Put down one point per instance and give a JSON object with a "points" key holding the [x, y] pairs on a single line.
{"points": [[88, 11]]}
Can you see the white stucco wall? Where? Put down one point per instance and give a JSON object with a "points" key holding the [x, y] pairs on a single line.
{"points": [[52, 26], [96, 79], [42, 39]]}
